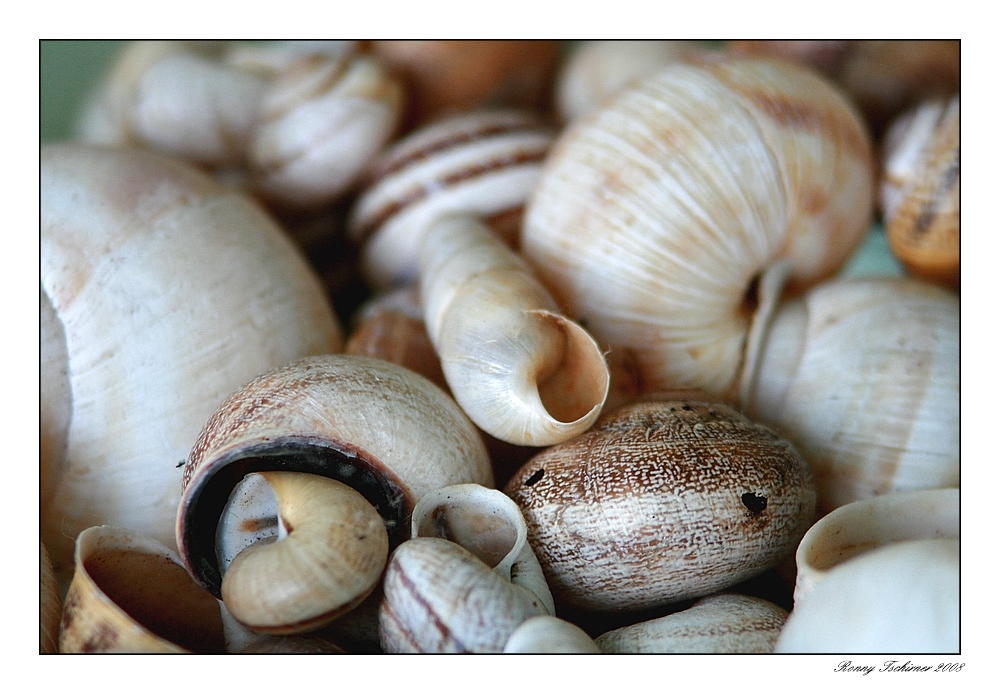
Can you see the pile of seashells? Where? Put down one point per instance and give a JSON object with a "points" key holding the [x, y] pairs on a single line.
{"points": [[553, 334]]}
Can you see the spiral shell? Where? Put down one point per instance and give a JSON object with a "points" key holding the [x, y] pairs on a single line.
{"points": [[662, 501], [862, 376], [484, 163], [654, 215], [161, 293]]}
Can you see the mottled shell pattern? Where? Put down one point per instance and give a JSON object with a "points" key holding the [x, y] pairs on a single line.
{"points": [[662, 501], [679, 191]]}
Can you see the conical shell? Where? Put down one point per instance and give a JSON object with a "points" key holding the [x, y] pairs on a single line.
{"points": [[662, 501], [654, 214], [384, 430], [862, 376], [130, 594], [724, 623], [170, 292]]}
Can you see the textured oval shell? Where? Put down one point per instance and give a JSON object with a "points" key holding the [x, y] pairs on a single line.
{"points": [[384, 430], [522, 371], [900, 598], [171, 292], [862, 376], [654, 214], [130, 594], [920, 190], [440, 598], [870, 523], [662, 501], [485, 163], [724, 623], [321, 122]]}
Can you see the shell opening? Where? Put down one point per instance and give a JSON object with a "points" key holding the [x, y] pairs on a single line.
{"points": [[377, 484], [569, 385], [489, 536]]}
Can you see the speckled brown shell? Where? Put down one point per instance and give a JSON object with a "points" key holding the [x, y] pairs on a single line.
{"points": [[662, 501], [383, 429]]}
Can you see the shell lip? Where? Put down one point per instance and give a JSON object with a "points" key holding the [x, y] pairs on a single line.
{"points": [[206, 496]]}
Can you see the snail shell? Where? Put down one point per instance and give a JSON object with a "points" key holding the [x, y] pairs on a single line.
{"points": [[50, 604], [723, 623], [862, 376], [870, 523], [384, 430], [447, 77], [161, 293], [920, 190], [654, 214], [662, 501], [899, 598], [547, 634], [130, 594], [521, 371], [466, 579], [483, 163]]}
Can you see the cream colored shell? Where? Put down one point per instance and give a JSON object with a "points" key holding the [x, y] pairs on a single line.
{"points": [[654, 214], [523, 372], [50, 604], [549, 634], [662, 501], [170, 292], [723, 623], [862, 376]]}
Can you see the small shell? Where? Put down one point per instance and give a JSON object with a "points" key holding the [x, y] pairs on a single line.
{"points": [[899, 598], [483, 163], [548, 634], [870, 523], [321, 122], [50, 604], [662, 501], [862, 376], [466, 580], [130, 594], [521, 371], [447, 77], [384, 430], [920, 190], [724, 623]]}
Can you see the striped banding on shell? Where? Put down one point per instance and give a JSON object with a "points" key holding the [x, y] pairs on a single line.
{"points": [[483, 163]]}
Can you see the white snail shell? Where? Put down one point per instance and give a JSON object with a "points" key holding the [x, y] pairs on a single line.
{"points": [[722, 623], [655, 213], [862, 376], [548, 634], [162, 292], [521, 371]]}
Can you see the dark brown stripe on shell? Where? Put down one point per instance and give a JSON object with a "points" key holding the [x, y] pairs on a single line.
{"points": [[410, 587], [387, 212]]}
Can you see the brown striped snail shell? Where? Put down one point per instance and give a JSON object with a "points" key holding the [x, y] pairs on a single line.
{"points": [[655, 214], [862, 376], [161, 293], [662, 501], [340, 421], [484, 163], [721, 623], [465, 580], [920, 190]]}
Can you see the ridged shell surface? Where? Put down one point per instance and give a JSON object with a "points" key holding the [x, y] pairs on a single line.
{"points": [[654, 214], [662, 501]]}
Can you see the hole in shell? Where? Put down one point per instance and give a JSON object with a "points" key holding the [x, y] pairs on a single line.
{"points": [[535, 476], [755, 503]]}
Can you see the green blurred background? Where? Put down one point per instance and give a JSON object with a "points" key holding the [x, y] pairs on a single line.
{"points": [[67, 71]]}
